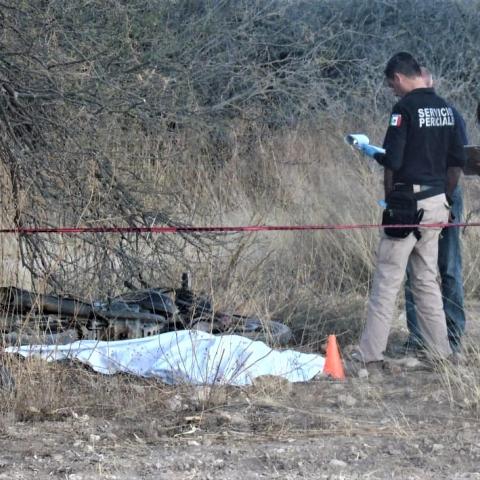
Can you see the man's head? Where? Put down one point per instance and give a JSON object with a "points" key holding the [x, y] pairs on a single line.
{"points": [[403, 74]]}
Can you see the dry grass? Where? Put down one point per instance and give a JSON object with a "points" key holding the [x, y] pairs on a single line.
{"points": [[229, 168], [462, 382], [54, 391], [317, 282]]}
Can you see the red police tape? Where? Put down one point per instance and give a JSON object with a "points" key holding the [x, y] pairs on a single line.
{"points": [[191, 229]]}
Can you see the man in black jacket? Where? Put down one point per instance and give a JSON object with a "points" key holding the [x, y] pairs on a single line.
{"points": [[424, 158], [449, 264]]}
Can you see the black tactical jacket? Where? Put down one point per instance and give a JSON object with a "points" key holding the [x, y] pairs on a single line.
{"points": [[422, 140]]}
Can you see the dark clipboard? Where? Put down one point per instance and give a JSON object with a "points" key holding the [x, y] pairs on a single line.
{"points": [[472, 167]]}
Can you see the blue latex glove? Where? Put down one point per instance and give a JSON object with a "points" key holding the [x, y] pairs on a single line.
{"points": [[369, 150]]}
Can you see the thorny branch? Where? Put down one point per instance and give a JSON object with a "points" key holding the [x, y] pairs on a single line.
{"points": [[105, 106]]}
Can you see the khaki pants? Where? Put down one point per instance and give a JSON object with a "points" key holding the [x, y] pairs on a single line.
{"points": [[392, 258]]}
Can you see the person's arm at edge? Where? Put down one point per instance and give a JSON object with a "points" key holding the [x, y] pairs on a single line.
{"points": [[460, 126], [456, 156], [453, 175]]}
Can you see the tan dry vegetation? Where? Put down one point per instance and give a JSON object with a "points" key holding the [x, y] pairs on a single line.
{"points": [[316, 281], [222, 113]]}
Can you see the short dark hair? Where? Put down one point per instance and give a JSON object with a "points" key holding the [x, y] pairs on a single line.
{"points": [[403, 62]]}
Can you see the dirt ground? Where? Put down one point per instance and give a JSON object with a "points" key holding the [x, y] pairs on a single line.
{"points": [[404, 422]]}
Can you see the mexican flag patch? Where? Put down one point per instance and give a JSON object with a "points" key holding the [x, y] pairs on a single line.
{"points": [[395, 120]]}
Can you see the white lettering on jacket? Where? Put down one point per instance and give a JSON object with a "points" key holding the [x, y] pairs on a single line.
{"points": [[435, 117]]}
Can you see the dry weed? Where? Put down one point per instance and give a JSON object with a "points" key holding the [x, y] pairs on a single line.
{"points": [[461, 382]]}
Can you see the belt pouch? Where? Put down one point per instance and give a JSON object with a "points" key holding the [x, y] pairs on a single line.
{"points": [[401, 210]]}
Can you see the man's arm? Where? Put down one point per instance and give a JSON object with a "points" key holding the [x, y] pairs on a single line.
{"points": [[456, 158], [387, 181], [395, 139], [453, 175]]}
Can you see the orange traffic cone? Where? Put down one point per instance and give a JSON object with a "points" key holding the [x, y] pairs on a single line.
{"points": [[333, 363]]}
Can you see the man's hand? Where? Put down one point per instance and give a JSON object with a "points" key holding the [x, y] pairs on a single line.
{"points": [[451, 216], [369, 150]]}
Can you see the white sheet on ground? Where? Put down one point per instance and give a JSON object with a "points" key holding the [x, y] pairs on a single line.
{"points": [[185, 356]]}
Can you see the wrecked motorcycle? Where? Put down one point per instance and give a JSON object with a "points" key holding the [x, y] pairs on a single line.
{"points": [[31, 318]]}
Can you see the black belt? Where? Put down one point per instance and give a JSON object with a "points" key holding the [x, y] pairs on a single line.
{"points": [[421, 192]]}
